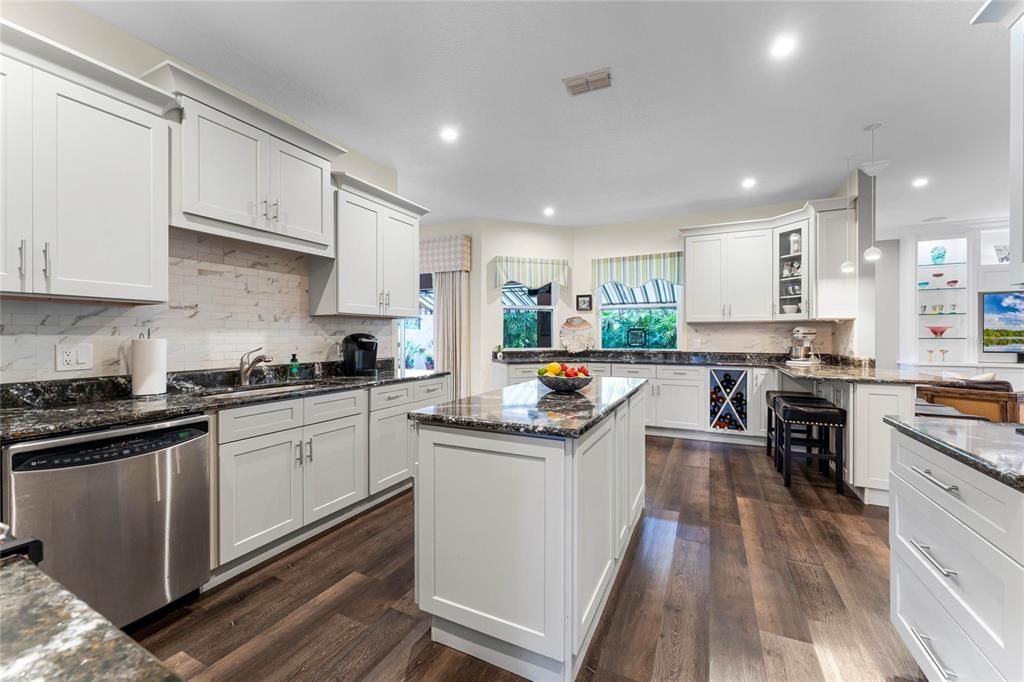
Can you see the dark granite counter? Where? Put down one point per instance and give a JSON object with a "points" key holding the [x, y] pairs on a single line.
{"points": [[19, 423], [47, 633], [995, 450], [835, 369], [532, 409]]}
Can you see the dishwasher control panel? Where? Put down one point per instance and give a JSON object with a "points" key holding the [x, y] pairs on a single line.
{"points": [[106, 450]]}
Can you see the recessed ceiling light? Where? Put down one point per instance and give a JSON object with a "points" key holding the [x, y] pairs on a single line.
{"points": [[919, 182], [548, 211], [748, 183], [449, 134], [783, 46]]}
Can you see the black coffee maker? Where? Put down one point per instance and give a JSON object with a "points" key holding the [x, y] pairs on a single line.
{"points": [[359, 355]]}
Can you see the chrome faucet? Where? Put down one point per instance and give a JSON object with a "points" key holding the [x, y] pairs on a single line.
{"points": [[246, 366]]}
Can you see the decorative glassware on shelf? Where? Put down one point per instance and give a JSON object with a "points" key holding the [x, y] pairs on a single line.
{"points": [[938, 255]]}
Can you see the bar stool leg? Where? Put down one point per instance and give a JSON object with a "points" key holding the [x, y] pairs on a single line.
{"points": [[787, 456], [778, 443], [769, 433], [839, 458]]}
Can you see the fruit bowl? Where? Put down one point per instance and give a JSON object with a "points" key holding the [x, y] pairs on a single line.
{"points": [[564, 384]]}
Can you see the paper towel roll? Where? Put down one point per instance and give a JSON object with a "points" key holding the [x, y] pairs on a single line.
{"points": [[149, 366]]}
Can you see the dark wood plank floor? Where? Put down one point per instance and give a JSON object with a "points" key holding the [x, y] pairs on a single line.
{"points": [[730, 576]]}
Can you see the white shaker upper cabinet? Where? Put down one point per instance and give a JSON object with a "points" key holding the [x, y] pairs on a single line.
{"points": [[400, 266], [748, 276], [16, 246], [705, 264], [301, 192], [359, 291], [99, 195], [225, 167]]}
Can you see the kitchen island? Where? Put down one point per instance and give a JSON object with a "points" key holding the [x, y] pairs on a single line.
{"points": [[525, 503]]}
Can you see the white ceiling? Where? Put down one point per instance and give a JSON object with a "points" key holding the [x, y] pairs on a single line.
{"points": [[696, 103]]}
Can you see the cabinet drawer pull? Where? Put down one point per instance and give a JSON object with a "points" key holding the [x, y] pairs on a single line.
{"points": [[925, 551], [435, 389], [927, 475], [393, 396], [925, 642]]}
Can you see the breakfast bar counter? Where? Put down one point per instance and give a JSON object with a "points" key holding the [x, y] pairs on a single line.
{"points": [[525, 503]]}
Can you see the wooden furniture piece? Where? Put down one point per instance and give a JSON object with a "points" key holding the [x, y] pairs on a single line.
{"points": [[816, 415], [994, 405]]}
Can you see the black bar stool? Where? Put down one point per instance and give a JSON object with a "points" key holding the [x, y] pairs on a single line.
{"points": [[769, 398], [794, 411]]}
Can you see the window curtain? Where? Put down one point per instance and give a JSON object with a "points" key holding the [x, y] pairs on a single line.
{"points": [[449, 258], [636, 271], [532, 273]]}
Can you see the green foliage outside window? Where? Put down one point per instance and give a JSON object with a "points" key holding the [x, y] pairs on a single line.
{"points": [[520, 329], [660, 324]]}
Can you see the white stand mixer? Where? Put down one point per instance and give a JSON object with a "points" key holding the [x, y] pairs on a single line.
{"points": [[801, 350]]}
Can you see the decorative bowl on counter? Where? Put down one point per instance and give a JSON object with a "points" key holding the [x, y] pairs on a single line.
{"points": [[564, 384], [937, 332]]}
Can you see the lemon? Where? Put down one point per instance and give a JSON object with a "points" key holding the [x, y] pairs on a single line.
{"points": [[554, 368]]}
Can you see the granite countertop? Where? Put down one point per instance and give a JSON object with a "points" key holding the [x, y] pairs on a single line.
{"points": [[854, 373], [47, 633], [995, 450], [19, 423], [532, 409]]}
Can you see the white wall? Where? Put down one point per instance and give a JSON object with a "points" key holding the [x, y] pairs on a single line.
{"points": [[73, 27]]}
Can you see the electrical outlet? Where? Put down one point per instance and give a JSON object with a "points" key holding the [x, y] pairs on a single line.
{"points": [[73, 357]]}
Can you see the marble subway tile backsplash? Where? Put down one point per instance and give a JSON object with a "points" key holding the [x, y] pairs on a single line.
{"points": [[226, 297]]}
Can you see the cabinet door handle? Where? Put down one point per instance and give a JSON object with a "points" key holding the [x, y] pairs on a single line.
{"points": [[925, 642], [925, 551], [276, 208], [730, 311], [21, 258], [380, 301], [927, 475], [264, 202], [47, 272], [723, 311], [309, 449], [298, 458], [387, 300]]}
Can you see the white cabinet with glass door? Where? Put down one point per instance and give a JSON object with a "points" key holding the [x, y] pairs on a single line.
{"points": [[791, 269]]}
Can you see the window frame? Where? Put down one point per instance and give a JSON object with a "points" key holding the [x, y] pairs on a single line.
{"points": [[599, 307], [540, 308]]}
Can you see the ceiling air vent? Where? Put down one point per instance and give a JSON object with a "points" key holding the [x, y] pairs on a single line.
{"points": [[595, 80]]}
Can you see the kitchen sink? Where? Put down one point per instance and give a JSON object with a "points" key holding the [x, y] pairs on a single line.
{"points": [[257, 390]]}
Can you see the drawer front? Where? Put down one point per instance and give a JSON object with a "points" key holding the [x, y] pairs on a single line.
{"points": [[257, 420], [523, 371], [940, 647], [599, 369], [320, 408], [978, 585], [677, 372], [431, 392], [991, 509], [638, 371], [391, 396]]}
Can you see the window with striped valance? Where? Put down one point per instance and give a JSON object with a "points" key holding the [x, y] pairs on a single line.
{"points": [[532, 273], [636, 271]]}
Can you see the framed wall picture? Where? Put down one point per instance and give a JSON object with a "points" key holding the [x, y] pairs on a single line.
{"points": [[584, 303], [636, 337]]}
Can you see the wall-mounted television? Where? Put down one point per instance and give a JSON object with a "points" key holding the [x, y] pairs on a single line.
{"points": [[1002, 322]]}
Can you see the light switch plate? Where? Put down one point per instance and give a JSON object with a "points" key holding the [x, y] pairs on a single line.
{"points": [[73, 357]]}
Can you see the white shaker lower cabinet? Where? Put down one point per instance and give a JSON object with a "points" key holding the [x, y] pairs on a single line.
{"points": [[390, 434], [649, 372], [680, 397], [84, 177], [261, 489], [957, 579], [335, 472], [519, 538]]}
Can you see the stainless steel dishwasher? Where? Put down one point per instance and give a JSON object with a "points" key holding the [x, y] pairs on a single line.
{"points": [[123, 514]]}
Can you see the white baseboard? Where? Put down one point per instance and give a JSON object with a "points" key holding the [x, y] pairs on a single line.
{"points": [[227, 571]]}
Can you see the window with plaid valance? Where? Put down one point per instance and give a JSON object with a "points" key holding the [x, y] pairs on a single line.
{"points": [[636, 271]]}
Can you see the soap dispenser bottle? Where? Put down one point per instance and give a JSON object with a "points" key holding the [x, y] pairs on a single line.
{"points": [[293, 369]]}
